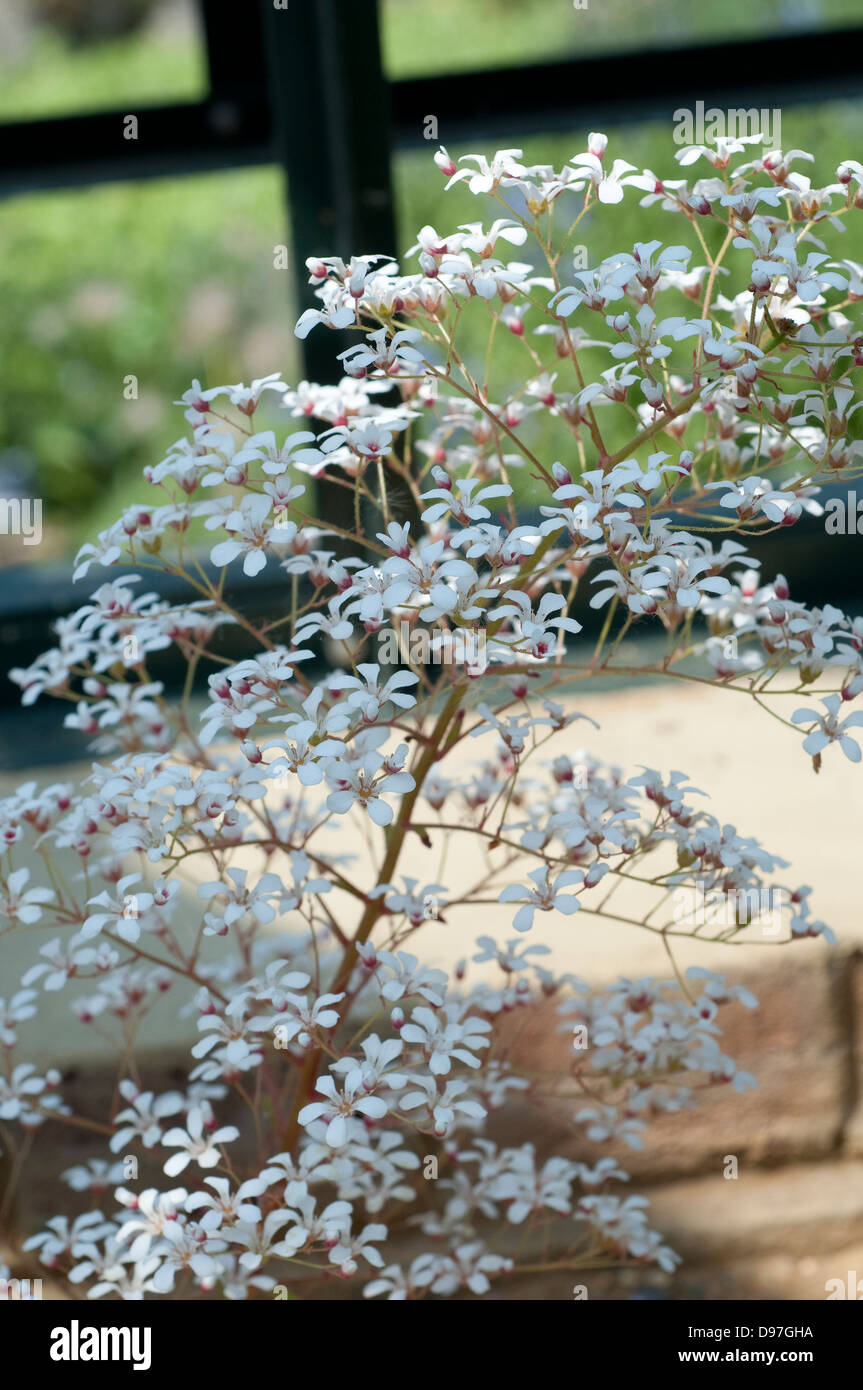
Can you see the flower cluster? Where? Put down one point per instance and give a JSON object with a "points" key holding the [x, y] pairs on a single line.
{"points": [[209, 850]]}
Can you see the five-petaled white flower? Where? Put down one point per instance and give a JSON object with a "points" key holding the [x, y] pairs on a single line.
{"points": [[830, 728], [340, 1105], [544, 895], [198, 1142]]}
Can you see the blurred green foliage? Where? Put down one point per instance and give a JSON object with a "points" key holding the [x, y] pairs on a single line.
{"points": [[452, 35], [162, 281], [54, 78]]}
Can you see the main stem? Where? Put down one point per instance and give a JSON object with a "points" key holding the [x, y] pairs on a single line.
{"points": [[374, 908]]}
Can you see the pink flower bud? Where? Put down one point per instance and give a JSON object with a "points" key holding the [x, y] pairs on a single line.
{"points": [[445, 162], [368, 955]]}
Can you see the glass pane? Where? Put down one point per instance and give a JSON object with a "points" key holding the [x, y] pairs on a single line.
{"points": [[115, 298], [59, 57], [454, 35]]}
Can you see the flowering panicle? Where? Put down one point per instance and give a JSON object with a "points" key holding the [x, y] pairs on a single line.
{"points": [[206, 853]]}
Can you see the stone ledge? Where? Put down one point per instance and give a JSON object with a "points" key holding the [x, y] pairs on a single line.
{"points": [[797, 1210]]}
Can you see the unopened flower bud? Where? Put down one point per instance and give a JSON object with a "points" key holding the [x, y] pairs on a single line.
{"points": [[653, 392], [445, 162]]}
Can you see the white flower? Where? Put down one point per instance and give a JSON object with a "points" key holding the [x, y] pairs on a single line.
{"points": [[379, 1057], [348, 1250], [247, 398], [120, 913], [488, 174], [363, 786], [63, 962], [198, 1141], [754, 495], [153, 1211], [263, 1238], [383, 353], [27, 1097], [255, 899], [96, 1175], [408, 977], [231, 1206], [61, 1237], [534, 630], [339, 1105], [444, 1036], [252, 530], [443, 1107], [184, 1247], [142, 1118], [22, 904], [19, 1008], [543, 896], [369, 696], [609, 185], [830, 728], [458, 497]]}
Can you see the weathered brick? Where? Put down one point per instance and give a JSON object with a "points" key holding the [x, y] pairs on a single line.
{"points": [[797, 1044]]}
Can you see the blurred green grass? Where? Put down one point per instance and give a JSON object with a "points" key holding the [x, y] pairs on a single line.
{"points": [[55, 78], [172, 280], [453, 35]]}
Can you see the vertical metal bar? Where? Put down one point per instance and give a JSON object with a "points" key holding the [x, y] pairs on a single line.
{"points": [[332, 138]]}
